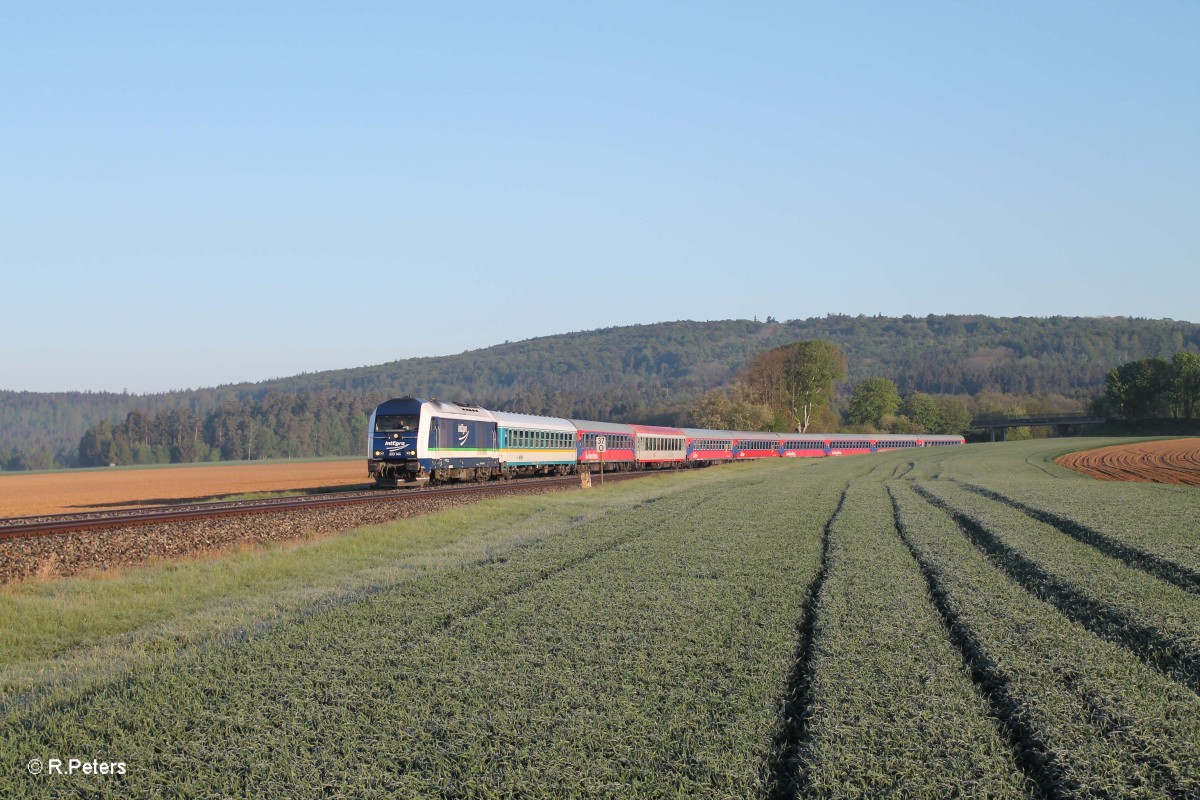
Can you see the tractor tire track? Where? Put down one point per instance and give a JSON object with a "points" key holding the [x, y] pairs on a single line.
{"points": [[1030, 752], [786, 776], [1135, 558], [1153, 647]]}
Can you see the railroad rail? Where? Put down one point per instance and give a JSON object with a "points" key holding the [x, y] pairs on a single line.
{"points": [[52, 524]]}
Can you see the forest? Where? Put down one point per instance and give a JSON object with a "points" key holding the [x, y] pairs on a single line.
{"points": [[646, 373]]}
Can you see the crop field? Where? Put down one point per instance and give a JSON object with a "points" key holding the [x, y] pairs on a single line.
{"points": [[972, 622], [1173, 461], [81, 490]]}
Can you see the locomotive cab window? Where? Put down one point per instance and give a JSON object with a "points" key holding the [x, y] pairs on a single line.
{"points": [[389, 423]]}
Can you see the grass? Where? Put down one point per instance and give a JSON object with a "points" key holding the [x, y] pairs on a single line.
{"points": [[1094, 721], [895, 624], [1152, 618], [105, 618], [892, 706]]}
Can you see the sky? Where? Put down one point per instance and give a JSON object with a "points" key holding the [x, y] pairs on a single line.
{"points": [[206, 193]]}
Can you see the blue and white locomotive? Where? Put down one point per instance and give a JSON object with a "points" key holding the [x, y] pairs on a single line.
{"points": [[431, 441], [413, 440]]}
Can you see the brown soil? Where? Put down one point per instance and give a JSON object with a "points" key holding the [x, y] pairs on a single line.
{"points": [[1176, 461], [72, 492]]}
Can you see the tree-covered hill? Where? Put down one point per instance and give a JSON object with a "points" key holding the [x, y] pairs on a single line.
{"points": [[651, 372]]}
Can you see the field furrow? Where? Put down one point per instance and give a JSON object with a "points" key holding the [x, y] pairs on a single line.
{"points": [[893, 708], [1156, 519], [785, 773], [1162, 568], [1172, 461], [1091, 719], [1151, 618]]}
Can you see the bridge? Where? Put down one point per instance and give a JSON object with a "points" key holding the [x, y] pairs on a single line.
{"points": [[1061, 424]]}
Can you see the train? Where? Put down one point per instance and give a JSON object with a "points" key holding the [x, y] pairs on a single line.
{"points": [[412, 441]]}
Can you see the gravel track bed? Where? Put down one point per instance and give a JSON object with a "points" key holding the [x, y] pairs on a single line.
{"points": [[65, 554]]}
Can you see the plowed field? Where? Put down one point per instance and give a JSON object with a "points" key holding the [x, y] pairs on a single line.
{"points": [[1176, 461], [72, 492]]}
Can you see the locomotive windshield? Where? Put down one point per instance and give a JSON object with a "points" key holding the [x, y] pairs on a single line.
{"points": [[386, 423]]}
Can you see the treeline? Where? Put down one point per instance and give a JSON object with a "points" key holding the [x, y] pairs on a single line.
{"points": [[1153, 388], [326, 423]]}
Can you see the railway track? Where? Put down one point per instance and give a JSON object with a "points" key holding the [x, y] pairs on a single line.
{"points": [[55, 524]]}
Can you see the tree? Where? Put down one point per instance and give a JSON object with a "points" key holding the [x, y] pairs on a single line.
{"points": [[797, 377], [95, 448], [953, 416], [1138, 389], [730, 410], [1185, 383], [872, 400], [921, 410]]}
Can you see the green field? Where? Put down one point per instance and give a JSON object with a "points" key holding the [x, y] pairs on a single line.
{"points": [[971, 622]]}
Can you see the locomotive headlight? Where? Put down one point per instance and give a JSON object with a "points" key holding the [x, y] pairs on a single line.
{"points": [[378, 453], [411, 453]]}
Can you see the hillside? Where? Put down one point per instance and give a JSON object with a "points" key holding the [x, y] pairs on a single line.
{"points": [[653, 372]]}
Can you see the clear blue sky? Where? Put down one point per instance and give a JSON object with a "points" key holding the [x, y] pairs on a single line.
{"points": [[240, 191]]}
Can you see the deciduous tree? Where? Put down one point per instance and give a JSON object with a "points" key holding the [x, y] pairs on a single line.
{"points": [[1138, 389], [798, 376], [1185, 383], [872, 400]]}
